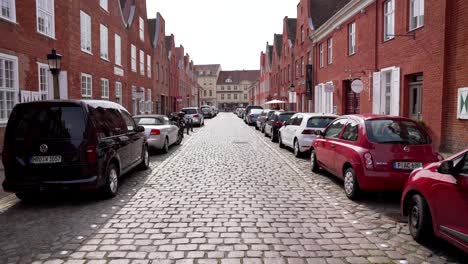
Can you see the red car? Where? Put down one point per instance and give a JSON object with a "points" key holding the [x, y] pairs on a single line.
{"points": [[435, 200], [372, 152]]}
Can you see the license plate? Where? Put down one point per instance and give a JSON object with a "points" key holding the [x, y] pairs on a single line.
{"points": [[45, 159], [407, 165]]}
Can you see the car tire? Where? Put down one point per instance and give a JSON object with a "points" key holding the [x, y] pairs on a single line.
{"points": [[27, 197], [351, 185], [256, 127], [165, 148], [419, 218], [144, 165], [297, 149], [111, 186], [273, 138], [280, 141], [180, 137], [263, 129], [314, 167]]}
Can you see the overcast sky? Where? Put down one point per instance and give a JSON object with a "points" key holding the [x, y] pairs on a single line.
{"points": [[227, 32]]}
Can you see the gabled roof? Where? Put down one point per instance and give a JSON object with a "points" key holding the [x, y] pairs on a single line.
{"points": [[291, 24], [169, 43], [208, 69], [237, 76], [322, 10], [278, 42], [270, 54]]}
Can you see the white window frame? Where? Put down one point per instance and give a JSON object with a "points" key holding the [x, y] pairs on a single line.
{"points": [[416, 14], [352, 38], [142, 62], [104, 40], [104, 4], [389, 20], [44, 13], [104, 88], [379, 91], [118, 93], [142, 29], [86, 36], [149, 102], [330, 51], [13, 91], [44, 81], [323, 100], [321, 55], [12, 10], [142, 104], [118, 50], [134, 58], [148, 65], [88, 90]]}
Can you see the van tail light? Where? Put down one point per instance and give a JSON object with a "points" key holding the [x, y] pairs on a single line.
{"points": [[308, 132], [369, 162], [155, 132], [278, 123], [196, 116], [91, 154]]}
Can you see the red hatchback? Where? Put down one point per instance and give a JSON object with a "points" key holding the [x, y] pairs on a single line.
{"points": [[435, 200], [372, 152]]}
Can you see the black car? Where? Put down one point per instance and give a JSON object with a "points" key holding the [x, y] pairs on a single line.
{"points": [[82, 144], [247, 111], [275, 122]]}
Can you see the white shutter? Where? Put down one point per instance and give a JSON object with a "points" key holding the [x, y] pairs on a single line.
{"points": [[63, 85], [421, 7], [395, 90], [316, 97], [118, 50], [83, 30], [376, 96]]}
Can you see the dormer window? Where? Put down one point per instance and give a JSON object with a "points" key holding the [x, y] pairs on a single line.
{"points": [[228, 80]]}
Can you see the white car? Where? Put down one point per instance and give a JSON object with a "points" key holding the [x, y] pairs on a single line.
{"points": [[299, 131], [159, 131], [194, 115]]}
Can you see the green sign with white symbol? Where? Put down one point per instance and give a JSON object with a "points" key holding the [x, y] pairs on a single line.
{"points": [[462, 109]]}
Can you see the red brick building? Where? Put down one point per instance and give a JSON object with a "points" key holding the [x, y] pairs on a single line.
{"points": [[392, 57]]}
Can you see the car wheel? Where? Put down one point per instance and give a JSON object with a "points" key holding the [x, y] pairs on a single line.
{"points": [[27, 197], [180, 137], [111, 186], [419, 218], [297, 150], [256, 127], [351, 185], [313, 162], [273, 138], [280, 141], [165, 148], [145, 158]]}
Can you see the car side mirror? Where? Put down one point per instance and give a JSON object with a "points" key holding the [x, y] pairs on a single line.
{"points": [[446, 167], [139, 129], [285, 123]]}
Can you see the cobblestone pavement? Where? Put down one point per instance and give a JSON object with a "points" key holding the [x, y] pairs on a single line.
{"points": [[228, 195]]}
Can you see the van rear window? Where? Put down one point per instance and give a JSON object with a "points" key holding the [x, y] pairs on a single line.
{"points": [[47, 122]]}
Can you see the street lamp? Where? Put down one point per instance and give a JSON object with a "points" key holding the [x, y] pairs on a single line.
{"points": [[54, 66]]}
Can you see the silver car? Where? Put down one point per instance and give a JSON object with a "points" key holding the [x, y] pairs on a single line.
{"points": [[159, 131], [195, 115]]}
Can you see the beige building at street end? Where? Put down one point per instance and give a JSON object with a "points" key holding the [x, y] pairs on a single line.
{"points": [[207, 78], [232, 88]]}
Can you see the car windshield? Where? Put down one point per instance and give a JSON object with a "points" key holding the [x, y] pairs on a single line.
{"points": [[319, 122], [285, 117], [390, 131], [48, 122], [256, 111], [189, 111], [149, 121]]}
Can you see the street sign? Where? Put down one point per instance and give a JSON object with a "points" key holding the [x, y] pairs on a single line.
{"points": [[357, 86], [462, 103]]}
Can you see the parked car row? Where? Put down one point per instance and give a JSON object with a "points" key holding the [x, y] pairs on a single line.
{"points": [[81, 144], [379, 153]]}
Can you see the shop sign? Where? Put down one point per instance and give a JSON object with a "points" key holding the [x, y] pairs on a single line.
{"points": [[462, 103]]}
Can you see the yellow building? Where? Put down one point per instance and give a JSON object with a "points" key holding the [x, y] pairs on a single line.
{"points": [[232, 88], [207, 78]]}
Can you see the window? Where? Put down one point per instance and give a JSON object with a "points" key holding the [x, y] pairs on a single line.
{"points": [[386, 92], [44, 81], [8, 10], [289, 73], [416, 14], [85, 24], [393, 131], [245, 96], [104, 42], [104, 4], [211, 93], [389, 19], [118, 92], [8, 85], [118, 50], [148, 65], [157, 71], [142, 105], [229, 87], [330, 51], [297, 69], [235, 96], [142, 62], [86, 85], [335, 128], [142, 29], [351, 131], [302, 66], [302, 34], [134, 59], [45, 17], [309, 58], [149, 102], [222, 88], [204, 93], [229, 96], [105, 88], [235, 87], [352, 38], [323, 99], [222, 96], [128, 121], [321, 55]]}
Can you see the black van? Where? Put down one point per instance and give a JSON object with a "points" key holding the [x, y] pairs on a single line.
{"points": [[84, 144]]}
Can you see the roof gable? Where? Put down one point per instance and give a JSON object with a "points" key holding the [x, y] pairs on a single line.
{"points": [[322, 10]]}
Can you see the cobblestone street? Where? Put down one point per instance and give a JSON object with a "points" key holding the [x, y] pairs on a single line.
{"points": [[226, 195]]}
